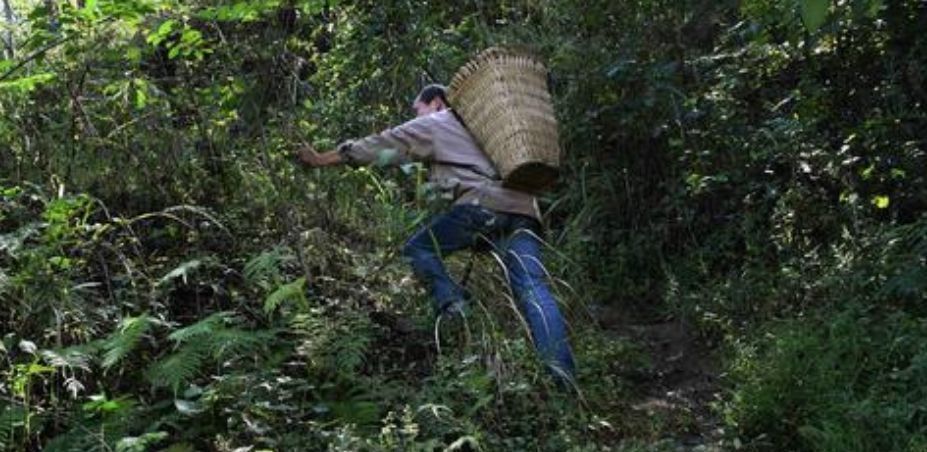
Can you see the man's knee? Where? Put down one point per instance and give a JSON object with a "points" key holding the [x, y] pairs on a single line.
{"points": [[413, 251]]}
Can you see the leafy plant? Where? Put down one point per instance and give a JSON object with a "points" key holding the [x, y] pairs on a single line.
{"points": [[208, 340]]}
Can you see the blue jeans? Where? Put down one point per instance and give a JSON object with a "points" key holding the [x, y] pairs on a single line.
{"points": [[514, 238]]}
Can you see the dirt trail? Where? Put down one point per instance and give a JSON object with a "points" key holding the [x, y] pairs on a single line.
{"points": [[681, 382]]}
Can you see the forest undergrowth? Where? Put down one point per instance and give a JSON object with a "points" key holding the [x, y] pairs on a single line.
{"points": [[738, 238]]}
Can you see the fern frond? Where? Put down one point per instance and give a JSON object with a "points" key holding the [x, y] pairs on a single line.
{"points": [[205, 327], [77, 357], [210, 339], [264, 269], [233, 341], [305, 323], [339, 344], [126, 337], [349, 352], [179, 367], [294, 291]]}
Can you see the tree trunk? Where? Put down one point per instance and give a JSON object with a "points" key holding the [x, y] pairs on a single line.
{"points": [[8, 51]]}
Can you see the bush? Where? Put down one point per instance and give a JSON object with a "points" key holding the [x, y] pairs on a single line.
{"points": [[846, 379]]}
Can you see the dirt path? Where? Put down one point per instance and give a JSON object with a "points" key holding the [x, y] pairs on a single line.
{"points": [[682, 381]]}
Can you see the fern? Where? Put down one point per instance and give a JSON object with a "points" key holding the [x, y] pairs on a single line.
{"points": [[178, 368], [294, 291], [119, 344], [205, 327], [205, 341], [264, 270], [349, 347], [231, 342], [77, 357], [338, 344]]}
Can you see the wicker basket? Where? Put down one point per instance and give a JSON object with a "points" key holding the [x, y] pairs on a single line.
{"points": [[502, 97]]}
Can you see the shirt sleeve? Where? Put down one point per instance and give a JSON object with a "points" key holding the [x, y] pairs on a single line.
{"points": [[413, 140]]}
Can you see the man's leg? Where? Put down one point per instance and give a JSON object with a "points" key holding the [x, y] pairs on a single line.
{"points": [[459, 228], [529, 283]]}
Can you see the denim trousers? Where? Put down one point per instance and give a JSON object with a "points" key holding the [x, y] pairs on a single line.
{"points": [[514, 238]]}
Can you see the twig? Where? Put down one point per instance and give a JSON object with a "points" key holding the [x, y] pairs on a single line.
{"points": [[34, 55], [50, 46]]}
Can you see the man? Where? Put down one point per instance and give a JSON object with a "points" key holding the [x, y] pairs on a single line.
{"points": [[483, 210]]}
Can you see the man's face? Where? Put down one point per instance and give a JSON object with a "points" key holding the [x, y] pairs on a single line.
{"points": [[422, 109]]}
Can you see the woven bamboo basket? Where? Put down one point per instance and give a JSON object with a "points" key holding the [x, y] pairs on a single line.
{"points": [[503, 98]]}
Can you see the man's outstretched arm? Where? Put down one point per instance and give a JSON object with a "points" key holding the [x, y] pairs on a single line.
{"points": [[310, 157]]}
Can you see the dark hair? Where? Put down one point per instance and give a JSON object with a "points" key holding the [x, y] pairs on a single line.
{"points": [[430, 92]]}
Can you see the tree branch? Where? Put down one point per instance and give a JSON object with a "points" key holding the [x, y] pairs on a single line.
{"points": [[34, 55]]}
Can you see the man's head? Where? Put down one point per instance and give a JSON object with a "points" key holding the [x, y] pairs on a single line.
{"points": [[432, 98]]}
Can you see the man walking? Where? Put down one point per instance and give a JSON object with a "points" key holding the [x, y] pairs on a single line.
{"points": [[483, 210]]}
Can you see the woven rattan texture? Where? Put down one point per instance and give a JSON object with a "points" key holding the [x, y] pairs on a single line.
{"points": [[503, 98]]}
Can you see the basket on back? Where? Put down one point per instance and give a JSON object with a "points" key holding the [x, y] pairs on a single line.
{"points": [[503, 98]]}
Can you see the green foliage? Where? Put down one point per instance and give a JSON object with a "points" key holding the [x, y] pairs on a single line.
{"points": [[754, 167], [124, 340], [140, 443], [814, 13], [264, 270], [294, 291], [25, 85], [851, 382], [335, 344], [209, 340]]}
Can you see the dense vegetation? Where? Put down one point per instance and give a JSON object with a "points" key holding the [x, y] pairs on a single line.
{"points": [[170, 280]]}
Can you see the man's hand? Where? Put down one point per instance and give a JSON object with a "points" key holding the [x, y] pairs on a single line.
{"points": [[309, 157]]}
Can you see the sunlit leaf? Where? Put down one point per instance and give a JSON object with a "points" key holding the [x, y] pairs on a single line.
{"points": [[28, 347], [164, 30], [181, 271], [187, 407], [166, 27], [814, 13], [141, 99], [880, 201], [27, 84]]}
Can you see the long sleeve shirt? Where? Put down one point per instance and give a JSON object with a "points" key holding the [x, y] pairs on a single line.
{"points": [[455, 160]]}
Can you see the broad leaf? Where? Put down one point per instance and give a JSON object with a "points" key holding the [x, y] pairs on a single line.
{"points": [[814, 13]]}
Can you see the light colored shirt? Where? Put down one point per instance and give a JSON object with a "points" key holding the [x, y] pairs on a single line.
{"points": [[455, 160]]}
